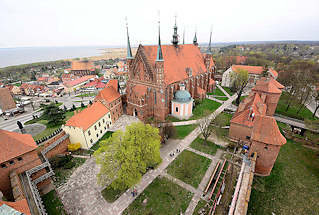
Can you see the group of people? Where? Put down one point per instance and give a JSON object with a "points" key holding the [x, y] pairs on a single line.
{"points": [[134, 192], [172, 154]]}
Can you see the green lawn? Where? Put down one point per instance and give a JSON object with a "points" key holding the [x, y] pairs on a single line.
{"points": [[222, 98], [96, 146], [205, 105], [86, 95], [163, 198], [48, 131], [227, 116], [292, 111], [189, 167], [110, 195], [62, 174], [53, 204], [292, 187], [208, 148], [218, 92], [228, 90], [184, 130]]}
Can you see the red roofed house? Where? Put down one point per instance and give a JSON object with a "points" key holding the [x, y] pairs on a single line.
{"points": [[18, 153], [156, 72], [254, 74], [82, 68], [78, 83], [254, 124], [111, 98], [17, 207], [89, 125]]}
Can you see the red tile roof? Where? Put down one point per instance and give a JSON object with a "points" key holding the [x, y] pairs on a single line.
{"points": [[113, 83], [176, 60], [266, 130], [108, 94], [258, 70], [88, 116], [238, 59], [265, 85], [21, 206], [82, 65], [78, 81], [274, 73], [14, 144], [277, 84]]}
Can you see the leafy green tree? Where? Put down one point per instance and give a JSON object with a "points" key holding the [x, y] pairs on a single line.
{"points": [[53, 114], [65, 109], [125, 156], [240, 82]]}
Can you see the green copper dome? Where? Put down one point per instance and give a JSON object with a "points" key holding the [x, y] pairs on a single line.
{"points": [[182, 96]]}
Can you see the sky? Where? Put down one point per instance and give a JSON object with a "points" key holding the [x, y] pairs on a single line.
{"points": [[102, 22]]}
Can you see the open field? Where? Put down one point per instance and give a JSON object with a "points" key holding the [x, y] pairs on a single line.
{"points": [[189, 167], [292, 187], [163, 198], [184, 130]]}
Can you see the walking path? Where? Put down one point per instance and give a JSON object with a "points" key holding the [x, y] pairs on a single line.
{"points": [[224, 91], [81, 194]]}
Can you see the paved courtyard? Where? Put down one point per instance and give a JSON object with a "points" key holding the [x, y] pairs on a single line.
{"points": [[123, 121], [32, 129]]}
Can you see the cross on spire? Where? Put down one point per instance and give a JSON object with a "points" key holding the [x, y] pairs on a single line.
{"points": [[159, 56], [175, 35]]}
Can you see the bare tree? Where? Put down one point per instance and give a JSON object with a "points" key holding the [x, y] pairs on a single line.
{"points": [[240, 82]]}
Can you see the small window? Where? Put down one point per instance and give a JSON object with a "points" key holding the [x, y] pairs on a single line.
{"points": [[91, 141], [109, 116], [97, 135], [3, 166], [20, 159], [108, 126], [95, 127], [266, 147], [99, 124], [89, 133], [11, 162], [103, 120], [176, 109], [104, 128], [101, 131]]}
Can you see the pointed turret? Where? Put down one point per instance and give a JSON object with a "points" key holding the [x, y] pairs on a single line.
{"points": [[195, 40], [129, 51], [209, 49], [175, 35], [159, 56]]}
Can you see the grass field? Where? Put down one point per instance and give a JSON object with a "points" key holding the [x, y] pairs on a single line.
{"points": [[53, 204], [208, 148], [163, 198], [86, 95], [228, 91], [184, 130], [292, 111], [292, 187], [195, 165]]}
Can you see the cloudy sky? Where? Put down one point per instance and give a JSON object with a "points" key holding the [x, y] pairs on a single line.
{"points": [[102, 22]]}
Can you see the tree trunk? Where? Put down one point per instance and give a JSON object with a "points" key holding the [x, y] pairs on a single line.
{"points": [[238, 97], [314, 113], [303, 103]]}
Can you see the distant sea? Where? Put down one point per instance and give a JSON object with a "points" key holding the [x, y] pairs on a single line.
{"points": [[26, 55]]}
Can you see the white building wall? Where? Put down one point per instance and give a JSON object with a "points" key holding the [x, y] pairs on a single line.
{"points": [[226, 78]]}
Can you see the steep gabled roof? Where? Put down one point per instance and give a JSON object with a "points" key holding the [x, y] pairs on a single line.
{"points": [[78, 80], [14, 144], [88, 116], [274, 73], [177, 60], [277, 84], [267, 86], [6, 100], [266, 130]]}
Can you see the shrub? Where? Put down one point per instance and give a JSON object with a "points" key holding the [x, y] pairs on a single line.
{"points": [[74, 147], [58, 161], [69, 165]]}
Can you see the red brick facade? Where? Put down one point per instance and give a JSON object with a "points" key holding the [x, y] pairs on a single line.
{"points": [[254, 124], [152, 84]]}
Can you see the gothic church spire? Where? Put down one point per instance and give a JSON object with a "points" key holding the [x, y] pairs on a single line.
{"points": [[129, 51], [159, 56]]}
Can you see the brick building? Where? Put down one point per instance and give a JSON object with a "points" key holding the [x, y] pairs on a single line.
{"points": [[82, 68], [156, 72], [111, 99], [254, 124]]}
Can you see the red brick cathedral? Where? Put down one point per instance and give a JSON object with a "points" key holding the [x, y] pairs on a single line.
{"points": [[156, 72]]}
